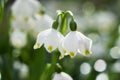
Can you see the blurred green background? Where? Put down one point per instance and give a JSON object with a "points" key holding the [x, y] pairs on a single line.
{"points": [[97, 19]]}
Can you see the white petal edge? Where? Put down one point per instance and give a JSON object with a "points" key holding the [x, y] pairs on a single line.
{"points": [[52, 40], [70, 44], [85, 44], [41, 38]]}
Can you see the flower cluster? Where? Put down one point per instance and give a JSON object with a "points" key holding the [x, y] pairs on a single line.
{"points": [[22, 11], [71, 44], [27, 17]]}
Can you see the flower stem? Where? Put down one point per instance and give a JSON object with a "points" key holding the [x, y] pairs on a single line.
{"points": [[50, 68], [64, 24]]}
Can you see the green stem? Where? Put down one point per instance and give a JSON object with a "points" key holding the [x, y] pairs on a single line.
{"points": [[50, 68], [64, 24]]}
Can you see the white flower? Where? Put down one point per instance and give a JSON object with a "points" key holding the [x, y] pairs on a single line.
{"points": [[25, 8], [18, 38], [40, 23], [85, 44], [70, 44], [22, 11], [62, 76], [62, 51], [19, 23], [22, 68], [75, 42], [50, 38]]}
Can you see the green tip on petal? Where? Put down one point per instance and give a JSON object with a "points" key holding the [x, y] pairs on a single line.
{"points": [[50, 48], [72, 54], [41, 12], [61, 56], [65, 52], [37, 45], [87, 52]]}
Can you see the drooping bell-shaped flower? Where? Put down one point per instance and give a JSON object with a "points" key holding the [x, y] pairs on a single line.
{"points": [[25, 8], [84, 44], [18, 39], [50, 38], [62, 76], [75, 42], [19, 23], [22, 11], [70, 44]]}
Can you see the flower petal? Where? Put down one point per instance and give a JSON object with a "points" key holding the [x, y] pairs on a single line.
{"points": [[62, 52], [85, 44], [52, 40], [70, 43], [62, 76], [40, 39], [18, 38]]}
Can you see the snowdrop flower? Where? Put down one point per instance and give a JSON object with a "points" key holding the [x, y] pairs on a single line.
{"points": [[18, 38], [25, 8], [75, 42], [62, 76], [50, 38], [19, 23], [70, 44], [22, 11], [85, 44], [40, 23]]}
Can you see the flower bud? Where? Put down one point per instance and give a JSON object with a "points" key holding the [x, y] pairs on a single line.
{"points": [[73, 25], [55, 25]]}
